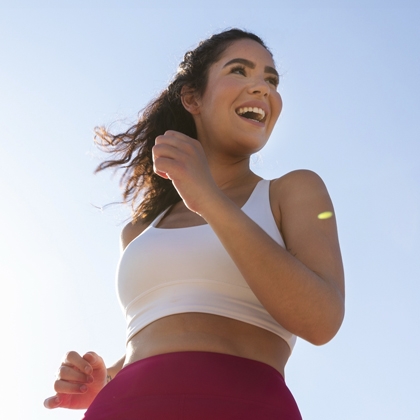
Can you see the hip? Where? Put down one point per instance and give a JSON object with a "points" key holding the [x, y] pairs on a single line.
{"points": [[193, 384]]}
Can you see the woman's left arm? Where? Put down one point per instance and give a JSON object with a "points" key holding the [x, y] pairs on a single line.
{"points": [[301, 287]]}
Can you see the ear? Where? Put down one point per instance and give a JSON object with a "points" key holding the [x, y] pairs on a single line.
{"points": [[190, 100]]}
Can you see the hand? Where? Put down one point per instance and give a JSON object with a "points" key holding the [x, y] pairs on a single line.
{"points": [[79, 380], [182, 160]]}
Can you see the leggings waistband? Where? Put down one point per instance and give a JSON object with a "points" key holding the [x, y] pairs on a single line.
{"points": [[195, 385]]}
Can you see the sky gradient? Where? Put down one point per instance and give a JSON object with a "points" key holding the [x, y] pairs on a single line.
{"points": [[350, 87]]}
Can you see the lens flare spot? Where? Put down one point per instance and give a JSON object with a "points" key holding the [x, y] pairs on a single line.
{"points": [[325, 215]]}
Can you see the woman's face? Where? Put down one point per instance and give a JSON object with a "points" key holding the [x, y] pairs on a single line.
{"points": [[240, 104]]}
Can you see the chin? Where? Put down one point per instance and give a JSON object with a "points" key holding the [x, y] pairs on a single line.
{"points": [[250, 145]]}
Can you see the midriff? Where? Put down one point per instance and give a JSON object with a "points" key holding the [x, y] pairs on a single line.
{"points": [[206, 332]]}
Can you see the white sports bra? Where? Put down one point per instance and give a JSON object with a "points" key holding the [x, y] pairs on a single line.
{"points": [[170, 271]]}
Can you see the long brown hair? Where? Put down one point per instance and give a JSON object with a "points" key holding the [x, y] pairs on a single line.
{"points": [[148, 193]]}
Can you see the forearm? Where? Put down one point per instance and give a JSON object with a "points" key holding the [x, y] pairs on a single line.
{"points": [[295, 296], [114, 369]]}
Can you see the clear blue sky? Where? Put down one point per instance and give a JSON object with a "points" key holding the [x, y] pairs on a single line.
{"points": [[351, 92]]}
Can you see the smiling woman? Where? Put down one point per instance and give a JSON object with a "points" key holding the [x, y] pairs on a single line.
{"points": [[221, 270]]}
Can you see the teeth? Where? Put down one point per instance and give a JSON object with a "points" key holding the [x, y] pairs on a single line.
{"points": [[255, 110]]}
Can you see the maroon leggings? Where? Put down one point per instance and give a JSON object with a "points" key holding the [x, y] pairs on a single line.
{"points": [[194, 385]]}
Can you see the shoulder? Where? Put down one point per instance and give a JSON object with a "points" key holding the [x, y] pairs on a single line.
{"points": [[296, 186], [130, 231], [299, 196], [301, 180]]}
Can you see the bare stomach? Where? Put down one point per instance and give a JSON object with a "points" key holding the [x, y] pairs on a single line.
{"points": [[206, 332]]}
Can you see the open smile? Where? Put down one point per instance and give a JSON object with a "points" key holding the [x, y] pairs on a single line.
{"points": [[252, 113]]}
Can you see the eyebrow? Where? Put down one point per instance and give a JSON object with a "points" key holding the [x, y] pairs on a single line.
{"points": [[250, 64]]}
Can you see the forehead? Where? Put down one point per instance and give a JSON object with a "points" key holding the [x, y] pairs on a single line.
{"points": [[248, 49]]}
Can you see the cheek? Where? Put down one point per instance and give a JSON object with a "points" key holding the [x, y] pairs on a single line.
{"points": [[219, 98], [277, 104]]}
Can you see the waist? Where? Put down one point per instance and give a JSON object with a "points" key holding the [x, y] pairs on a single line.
{"points": [[229, 301], [208, 333]]}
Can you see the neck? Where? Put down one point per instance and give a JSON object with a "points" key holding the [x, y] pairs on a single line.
{"points": [[230, 173], [228, 167]]}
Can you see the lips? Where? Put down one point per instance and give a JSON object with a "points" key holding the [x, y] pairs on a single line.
{"points": [[254, 110], [253, 113]]}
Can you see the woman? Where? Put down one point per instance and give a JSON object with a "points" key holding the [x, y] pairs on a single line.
{"points": [[221, 270]]}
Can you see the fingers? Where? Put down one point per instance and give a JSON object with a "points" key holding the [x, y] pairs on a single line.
{"points": [[177, 140], [75, 360], [172, 152], [71, 381], [164, 157], [161, 173], [58, 400], [166, 150], [176, 135], [65, 387], [86, 363], [79, 379], [75, 373], [68, 373], [93, 360], [52, 402]]}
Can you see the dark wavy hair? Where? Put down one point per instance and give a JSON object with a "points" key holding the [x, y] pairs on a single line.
{"points": [[148, 193]]}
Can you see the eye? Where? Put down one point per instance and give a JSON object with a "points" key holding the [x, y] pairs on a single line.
{"points": [[238, 70], [273, 80]]}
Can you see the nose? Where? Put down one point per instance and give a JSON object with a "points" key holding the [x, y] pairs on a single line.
{"points": [[259, 86]]}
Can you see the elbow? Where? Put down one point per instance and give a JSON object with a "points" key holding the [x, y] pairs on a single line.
{"points": [[324, 331], [319, 339]]}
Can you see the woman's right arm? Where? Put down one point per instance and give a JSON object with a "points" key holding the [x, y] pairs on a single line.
{"points": [[80, 379]]}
